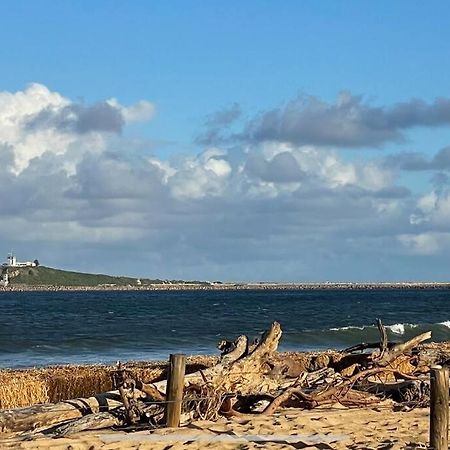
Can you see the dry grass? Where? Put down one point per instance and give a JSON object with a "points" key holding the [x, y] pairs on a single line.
{"points": [[21, 389], [52, 384]]}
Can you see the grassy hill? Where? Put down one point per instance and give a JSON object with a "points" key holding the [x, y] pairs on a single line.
{"points": [[33, 276]]}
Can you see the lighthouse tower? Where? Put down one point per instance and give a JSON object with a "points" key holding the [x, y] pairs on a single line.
{"points": [[12, 260]]}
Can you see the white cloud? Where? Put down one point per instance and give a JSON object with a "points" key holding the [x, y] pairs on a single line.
{"points": [[141, 111], [36, 121], [284, 211], [195, 177]]}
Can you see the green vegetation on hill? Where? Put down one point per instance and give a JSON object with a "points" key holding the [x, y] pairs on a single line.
{"points": [[33, 276], [46, 276]]}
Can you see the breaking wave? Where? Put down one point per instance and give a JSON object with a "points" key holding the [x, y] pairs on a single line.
{"points": [[345, 336], [396, 328]]}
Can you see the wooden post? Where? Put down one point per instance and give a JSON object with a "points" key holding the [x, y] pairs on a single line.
{"points": [[174, 391], [439, 407]]}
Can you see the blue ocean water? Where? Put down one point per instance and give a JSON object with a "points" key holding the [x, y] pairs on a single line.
{"points": [[40, 328]]}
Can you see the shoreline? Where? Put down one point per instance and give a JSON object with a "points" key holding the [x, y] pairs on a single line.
{"points": [[234, 287]]}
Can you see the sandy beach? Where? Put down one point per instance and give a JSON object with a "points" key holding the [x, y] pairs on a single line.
{"points": [[333, 428]]}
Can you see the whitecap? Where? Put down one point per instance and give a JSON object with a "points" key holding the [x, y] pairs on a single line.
{"points": [[445, 324], [347, 328], [397, 328]]}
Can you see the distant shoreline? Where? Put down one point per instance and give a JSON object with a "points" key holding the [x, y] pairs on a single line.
{"points": [[234, 286]]}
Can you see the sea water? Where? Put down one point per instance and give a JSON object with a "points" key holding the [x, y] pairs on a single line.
{"points": [[41, 328]]}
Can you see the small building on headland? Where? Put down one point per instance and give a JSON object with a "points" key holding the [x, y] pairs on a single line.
{"points": [[11, 261]]}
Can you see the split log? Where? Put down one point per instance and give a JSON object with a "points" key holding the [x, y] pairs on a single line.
{"points": [[37, 416], [95, 421]]}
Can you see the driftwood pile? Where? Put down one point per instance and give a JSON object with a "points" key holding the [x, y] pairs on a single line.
{"points": [[250, 378]]}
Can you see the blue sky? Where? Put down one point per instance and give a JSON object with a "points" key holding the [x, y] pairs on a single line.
{"points": [[195, 57], [234, 72]]}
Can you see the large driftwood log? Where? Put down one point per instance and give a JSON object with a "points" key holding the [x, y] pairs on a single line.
{"points": [[388, 356], [342, 391], [239, 373], [37, 416]]}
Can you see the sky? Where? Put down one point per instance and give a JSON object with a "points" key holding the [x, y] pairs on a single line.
{"points": [[233, 141]]}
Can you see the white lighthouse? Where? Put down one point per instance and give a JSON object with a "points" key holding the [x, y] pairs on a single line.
{"points": [[11, 261]]}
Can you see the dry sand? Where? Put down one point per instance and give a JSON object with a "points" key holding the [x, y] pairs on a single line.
{"points": [[335, 428]]}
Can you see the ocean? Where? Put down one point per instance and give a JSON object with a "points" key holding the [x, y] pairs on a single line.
{"points": [[42, 328]]}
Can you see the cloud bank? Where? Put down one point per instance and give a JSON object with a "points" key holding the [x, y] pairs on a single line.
{"points": [[283, 204]]}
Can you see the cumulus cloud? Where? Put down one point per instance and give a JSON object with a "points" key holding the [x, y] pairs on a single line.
{"points": [[36, 121], [260, 210], [101, 117], [348, 122]]}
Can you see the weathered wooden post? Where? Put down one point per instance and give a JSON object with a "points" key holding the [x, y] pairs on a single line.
{"points": [[439, 407], [174, 390]]}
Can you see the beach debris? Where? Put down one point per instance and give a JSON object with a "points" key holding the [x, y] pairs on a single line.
{"points": [[249, 379], [126, 385]]}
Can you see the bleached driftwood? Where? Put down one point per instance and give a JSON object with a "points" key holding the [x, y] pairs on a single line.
{"points": [[95, 421], [243, 377], [400, 349], [36, 416]]}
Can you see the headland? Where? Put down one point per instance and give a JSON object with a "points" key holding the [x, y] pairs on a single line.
{"points": [[31, 276]]}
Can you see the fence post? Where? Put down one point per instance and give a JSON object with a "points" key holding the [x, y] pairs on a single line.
{"points": [[174, 391], [439, 397]]}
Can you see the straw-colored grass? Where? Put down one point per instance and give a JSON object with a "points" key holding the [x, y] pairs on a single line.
{"points": [[27, 387], [21, 389]]}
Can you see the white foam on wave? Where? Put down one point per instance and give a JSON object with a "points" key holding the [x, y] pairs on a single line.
{"points": [[347, 328], [397, 328]]}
